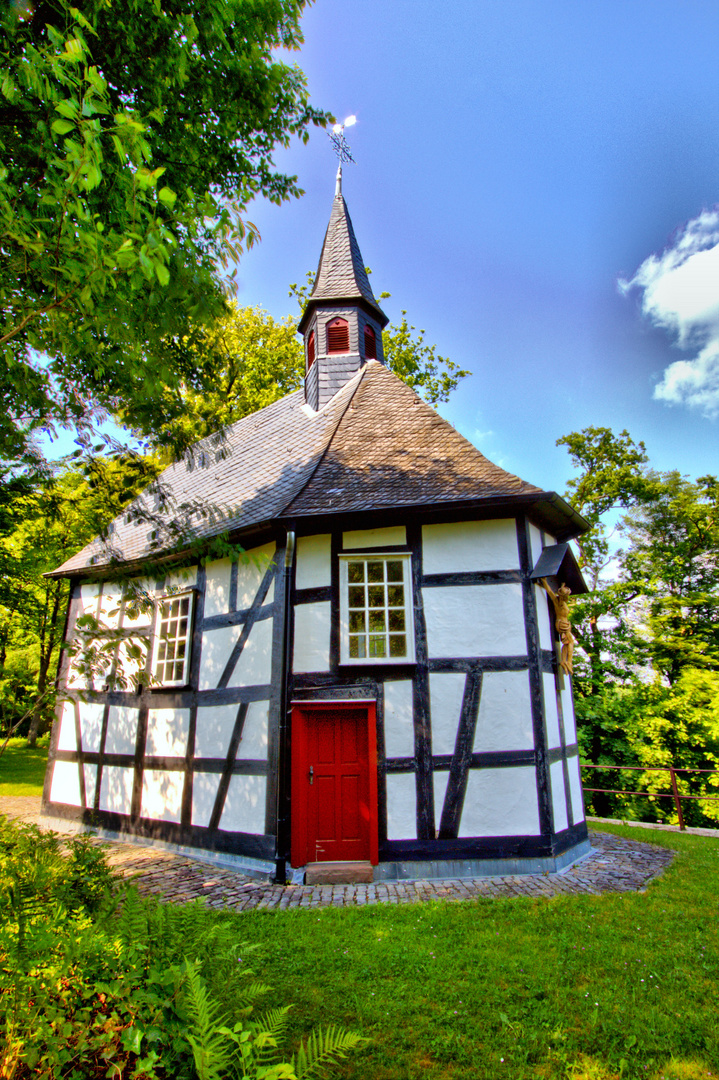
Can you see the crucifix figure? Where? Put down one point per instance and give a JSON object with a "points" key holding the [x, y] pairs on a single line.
{"points": [[560, 599]]}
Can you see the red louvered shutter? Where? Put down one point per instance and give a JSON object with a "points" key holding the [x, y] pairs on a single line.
{"points": [[370, 344], [310, 350], [338, 336]]}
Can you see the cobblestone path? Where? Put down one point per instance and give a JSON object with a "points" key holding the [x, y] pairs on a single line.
{"points": [[614, 865]]}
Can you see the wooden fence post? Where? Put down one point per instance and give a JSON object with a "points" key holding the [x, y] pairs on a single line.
{"points": [[677, 800]]}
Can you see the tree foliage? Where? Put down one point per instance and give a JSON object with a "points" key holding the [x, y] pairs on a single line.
{"points": [[648, 664], [49, 521], [132, 138]]}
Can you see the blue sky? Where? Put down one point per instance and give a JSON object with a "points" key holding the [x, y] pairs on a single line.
{"points": [[536, 184]]}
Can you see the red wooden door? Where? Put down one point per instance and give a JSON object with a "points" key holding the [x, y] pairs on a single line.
{"points": [[334, 783]]}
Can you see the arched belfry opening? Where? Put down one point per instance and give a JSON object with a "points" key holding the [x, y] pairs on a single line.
{"points": [[342, 323]]}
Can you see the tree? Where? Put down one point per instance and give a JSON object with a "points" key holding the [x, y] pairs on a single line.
{"points": [[612, 476], [50, 520], [133, 137], [246, 360]]}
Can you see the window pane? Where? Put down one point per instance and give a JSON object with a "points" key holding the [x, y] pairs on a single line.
{"points": [[377, 645], [396, 620], [376, 595], [398, 645], [357, 647], [394, 571], [375, 571], [377, 621], [356, 596], [395, 595], [185, 605], [355, 572], [357, 622]]}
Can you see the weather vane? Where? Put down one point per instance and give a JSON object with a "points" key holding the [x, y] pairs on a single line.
{"points": [[341, 148]]}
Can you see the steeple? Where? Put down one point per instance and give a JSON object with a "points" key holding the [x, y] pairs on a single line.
{"points": [[342, 323]]}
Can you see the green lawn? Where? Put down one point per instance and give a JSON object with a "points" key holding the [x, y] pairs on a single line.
{"points": [[580, 987], [22, 769]]}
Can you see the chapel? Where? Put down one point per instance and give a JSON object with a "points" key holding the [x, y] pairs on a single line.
{"points": [[371, 679]]}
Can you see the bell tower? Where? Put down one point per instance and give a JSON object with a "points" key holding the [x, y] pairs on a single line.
{"points": [[342, 323]]}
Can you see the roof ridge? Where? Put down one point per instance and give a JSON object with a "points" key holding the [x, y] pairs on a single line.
{"points": [[320, 459]]}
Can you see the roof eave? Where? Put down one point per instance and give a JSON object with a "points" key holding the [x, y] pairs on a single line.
{"points": [[340, 302]]}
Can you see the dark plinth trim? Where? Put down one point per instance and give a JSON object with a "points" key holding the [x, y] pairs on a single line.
{"points": [[237, 843], [469, 848]]}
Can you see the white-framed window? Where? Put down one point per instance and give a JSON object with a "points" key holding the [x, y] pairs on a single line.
{"points": [[171, 639], [376, 621]]}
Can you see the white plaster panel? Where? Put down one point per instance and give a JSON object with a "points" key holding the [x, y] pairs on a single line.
{"points": [[544, 618], [67, 739], [570, 723], [254, 668], [475, 620], [440, 780], [244, 809], [575, 787], [216, 648], [469, 545], [128, 667], [145, 611], [446, 692], [121, 730], [186, 578], [312, 637], [116, 789], [505, 713], [374, 538], [500, 802], [65, 787], [313, 568], [251, 569], [398, 719], [217, 587], [215, 724], [90, 724], [401, 806], [559, 798], [535, 542], [204, 793], [110, 605], [162, 795], [90, 782], [253, 744], [167, 731], [554, 738], [88, 598]]}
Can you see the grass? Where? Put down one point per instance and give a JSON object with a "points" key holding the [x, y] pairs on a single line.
{"points": [[22, 768], [585, 987], [572, 988]]}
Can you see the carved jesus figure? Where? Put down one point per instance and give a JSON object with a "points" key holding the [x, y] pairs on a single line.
{"points": [[560, 599]]}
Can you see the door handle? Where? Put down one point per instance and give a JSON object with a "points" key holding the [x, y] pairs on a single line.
{"points": [[312, 774]]}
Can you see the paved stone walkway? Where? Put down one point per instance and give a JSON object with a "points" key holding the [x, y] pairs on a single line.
{"points": [[614, 865]]}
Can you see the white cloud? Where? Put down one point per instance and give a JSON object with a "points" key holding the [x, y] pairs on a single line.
{"points": [[681, 295]]}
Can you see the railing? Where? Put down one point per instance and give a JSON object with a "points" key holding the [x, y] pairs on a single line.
{"points": [[674, 794]]}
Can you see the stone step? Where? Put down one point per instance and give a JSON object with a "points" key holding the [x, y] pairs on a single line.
{"points": [[339, 873]]}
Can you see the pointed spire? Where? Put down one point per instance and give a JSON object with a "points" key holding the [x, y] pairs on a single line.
{"points": [[341, 275]]}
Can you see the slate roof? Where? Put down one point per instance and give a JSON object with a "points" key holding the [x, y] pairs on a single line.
{"points": [[375, 445], [340, 273]]}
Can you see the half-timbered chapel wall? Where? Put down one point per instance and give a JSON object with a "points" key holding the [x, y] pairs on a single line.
{"points": [[476, 737], [195, 763]]}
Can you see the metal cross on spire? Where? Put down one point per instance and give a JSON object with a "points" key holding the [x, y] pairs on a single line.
{"points": [[341, 148]]}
